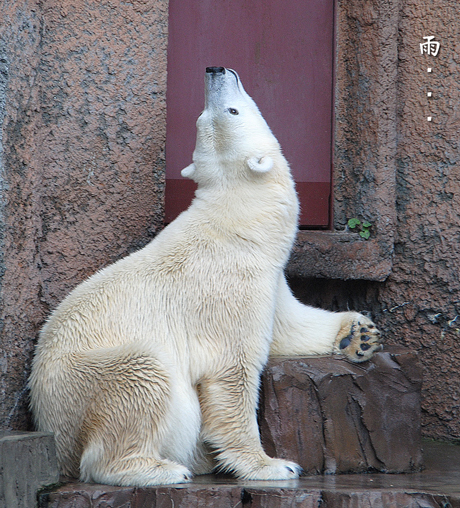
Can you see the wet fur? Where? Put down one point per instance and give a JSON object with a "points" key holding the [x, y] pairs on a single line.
{"points": [[155, 361]]}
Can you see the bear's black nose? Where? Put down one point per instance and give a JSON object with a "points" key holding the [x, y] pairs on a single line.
{"points": [[215, 70]]}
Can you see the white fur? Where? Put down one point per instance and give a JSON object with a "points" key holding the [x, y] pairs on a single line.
{"points": [[260, 165], [156, 359], [188, 171]]}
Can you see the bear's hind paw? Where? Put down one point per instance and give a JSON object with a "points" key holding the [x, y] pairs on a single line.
{"points": [[142, 473], [172, 473], [358, 338], [276, 469]]}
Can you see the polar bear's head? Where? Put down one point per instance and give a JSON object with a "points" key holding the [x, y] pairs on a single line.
{"points": [[233, 139]]}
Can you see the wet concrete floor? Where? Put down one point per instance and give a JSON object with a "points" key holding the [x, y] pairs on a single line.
{"points": [[441, 475], [437, 486]]}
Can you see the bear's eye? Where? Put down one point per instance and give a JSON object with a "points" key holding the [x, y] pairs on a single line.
{"points": [[233, 111]]}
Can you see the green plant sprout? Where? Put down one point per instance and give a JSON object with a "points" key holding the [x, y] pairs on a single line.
{"points": [[363, 227]]}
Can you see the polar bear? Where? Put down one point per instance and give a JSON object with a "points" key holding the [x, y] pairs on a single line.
{"points": [[148, 372]]}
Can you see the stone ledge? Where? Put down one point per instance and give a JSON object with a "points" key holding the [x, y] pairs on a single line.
{"points": [[438, 485], [332, 416], [340, 255], [27, 463], [222, 495]]}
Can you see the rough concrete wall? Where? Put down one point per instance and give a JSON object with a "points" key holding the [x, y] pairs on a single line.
{"points": [[422, 297], [365, 114], [103, 85], [20, 311], [419, 303], [83, 156]]}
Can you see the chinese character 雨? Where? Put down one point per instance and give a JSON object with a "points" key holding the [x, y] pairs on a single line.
{"points": [[429, 47]]}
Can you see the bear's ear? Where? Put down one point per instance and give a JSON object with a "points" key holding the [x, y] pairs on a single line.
{"points": [[262, 165], [188, 171]]}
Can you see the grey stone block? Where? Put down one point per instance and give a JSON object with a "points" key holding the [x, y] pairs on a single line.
{"points": [[27, 463]]}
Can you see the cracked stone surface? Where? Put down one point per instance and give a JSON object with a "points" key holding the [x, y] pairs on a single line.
{"points": [[332, 416]]}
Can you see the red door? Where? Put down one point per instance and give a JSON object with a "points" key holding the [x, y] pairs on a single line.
{"points": [[283, 52]]}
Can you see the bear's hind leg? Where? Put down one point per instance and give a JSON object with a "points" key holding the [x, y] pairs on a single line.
{"points": [[126, 421], [228, 404]]}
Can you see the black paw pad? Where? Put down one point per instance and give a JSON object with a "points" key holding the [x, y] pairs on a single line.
{"points": [[365, 347], [364, 330], [365, 338], [345, 342]]}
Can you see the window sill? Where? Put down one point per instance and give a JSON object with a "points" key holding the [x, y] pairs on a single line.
{"points": [[365, 149], [340, 255]]}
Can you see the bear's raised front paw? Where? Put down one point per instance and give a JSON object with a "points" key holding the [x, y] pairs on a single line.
{"points": [[275, 469], [358, 338]]}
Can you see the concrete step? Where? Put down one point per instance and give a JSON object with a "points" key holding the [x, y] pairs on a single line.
{"points": [[27, 463], [438, 486]]}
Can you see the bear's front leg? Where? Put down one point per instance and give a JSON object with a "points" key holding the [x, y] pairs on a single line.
{"points": [[228, 403], [358, 338], [300, 330]]}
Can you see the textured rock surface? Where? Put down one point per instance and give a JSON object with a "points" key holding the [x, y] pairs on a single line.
{"points": [[27, 463], [20, 172], [421, 300], [98, 496], [332, 416], [437, 486], [82, 126], [418, 306], [225, 496]]}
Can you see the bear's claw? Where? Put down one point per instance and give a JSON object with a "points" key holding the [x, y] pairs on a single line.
{"points": [[275, 469], [358, 338]]}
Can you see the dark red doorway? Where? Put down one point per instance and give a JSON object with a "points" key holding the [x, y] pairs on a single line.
{"points": [[283, 52]]}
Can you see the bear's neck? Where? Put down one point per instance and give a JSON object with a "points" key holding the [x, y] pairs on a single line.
{"points": [[265, 215]]}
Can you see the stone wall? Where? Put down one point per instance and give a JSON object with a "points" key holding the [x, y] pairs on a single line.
{"points": [[82, 113], [420, 303], [82, 128], [417, 306]]}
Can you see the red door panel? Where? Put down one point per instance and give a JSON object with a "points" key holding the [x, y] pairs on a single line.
{"points": [[283, 52]]}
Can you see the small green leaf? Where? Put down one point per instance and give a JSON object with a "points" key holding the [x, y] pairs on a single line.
{"points": [[365, 234], [352, 223], [367, 224]]}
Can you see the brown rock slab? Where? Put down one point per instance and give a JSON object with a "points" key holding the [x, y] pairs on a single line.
{"points": [[281, 497], [438, 485], [332, 416], [80, 495]]}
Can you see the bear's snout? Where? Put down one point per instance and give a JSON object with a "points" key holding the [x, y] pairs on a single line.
{"points": [[215, 70]]}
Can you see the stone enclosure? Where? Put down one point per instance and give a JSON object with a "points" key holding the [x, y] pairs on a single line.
{"points": [[82, 136]]}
